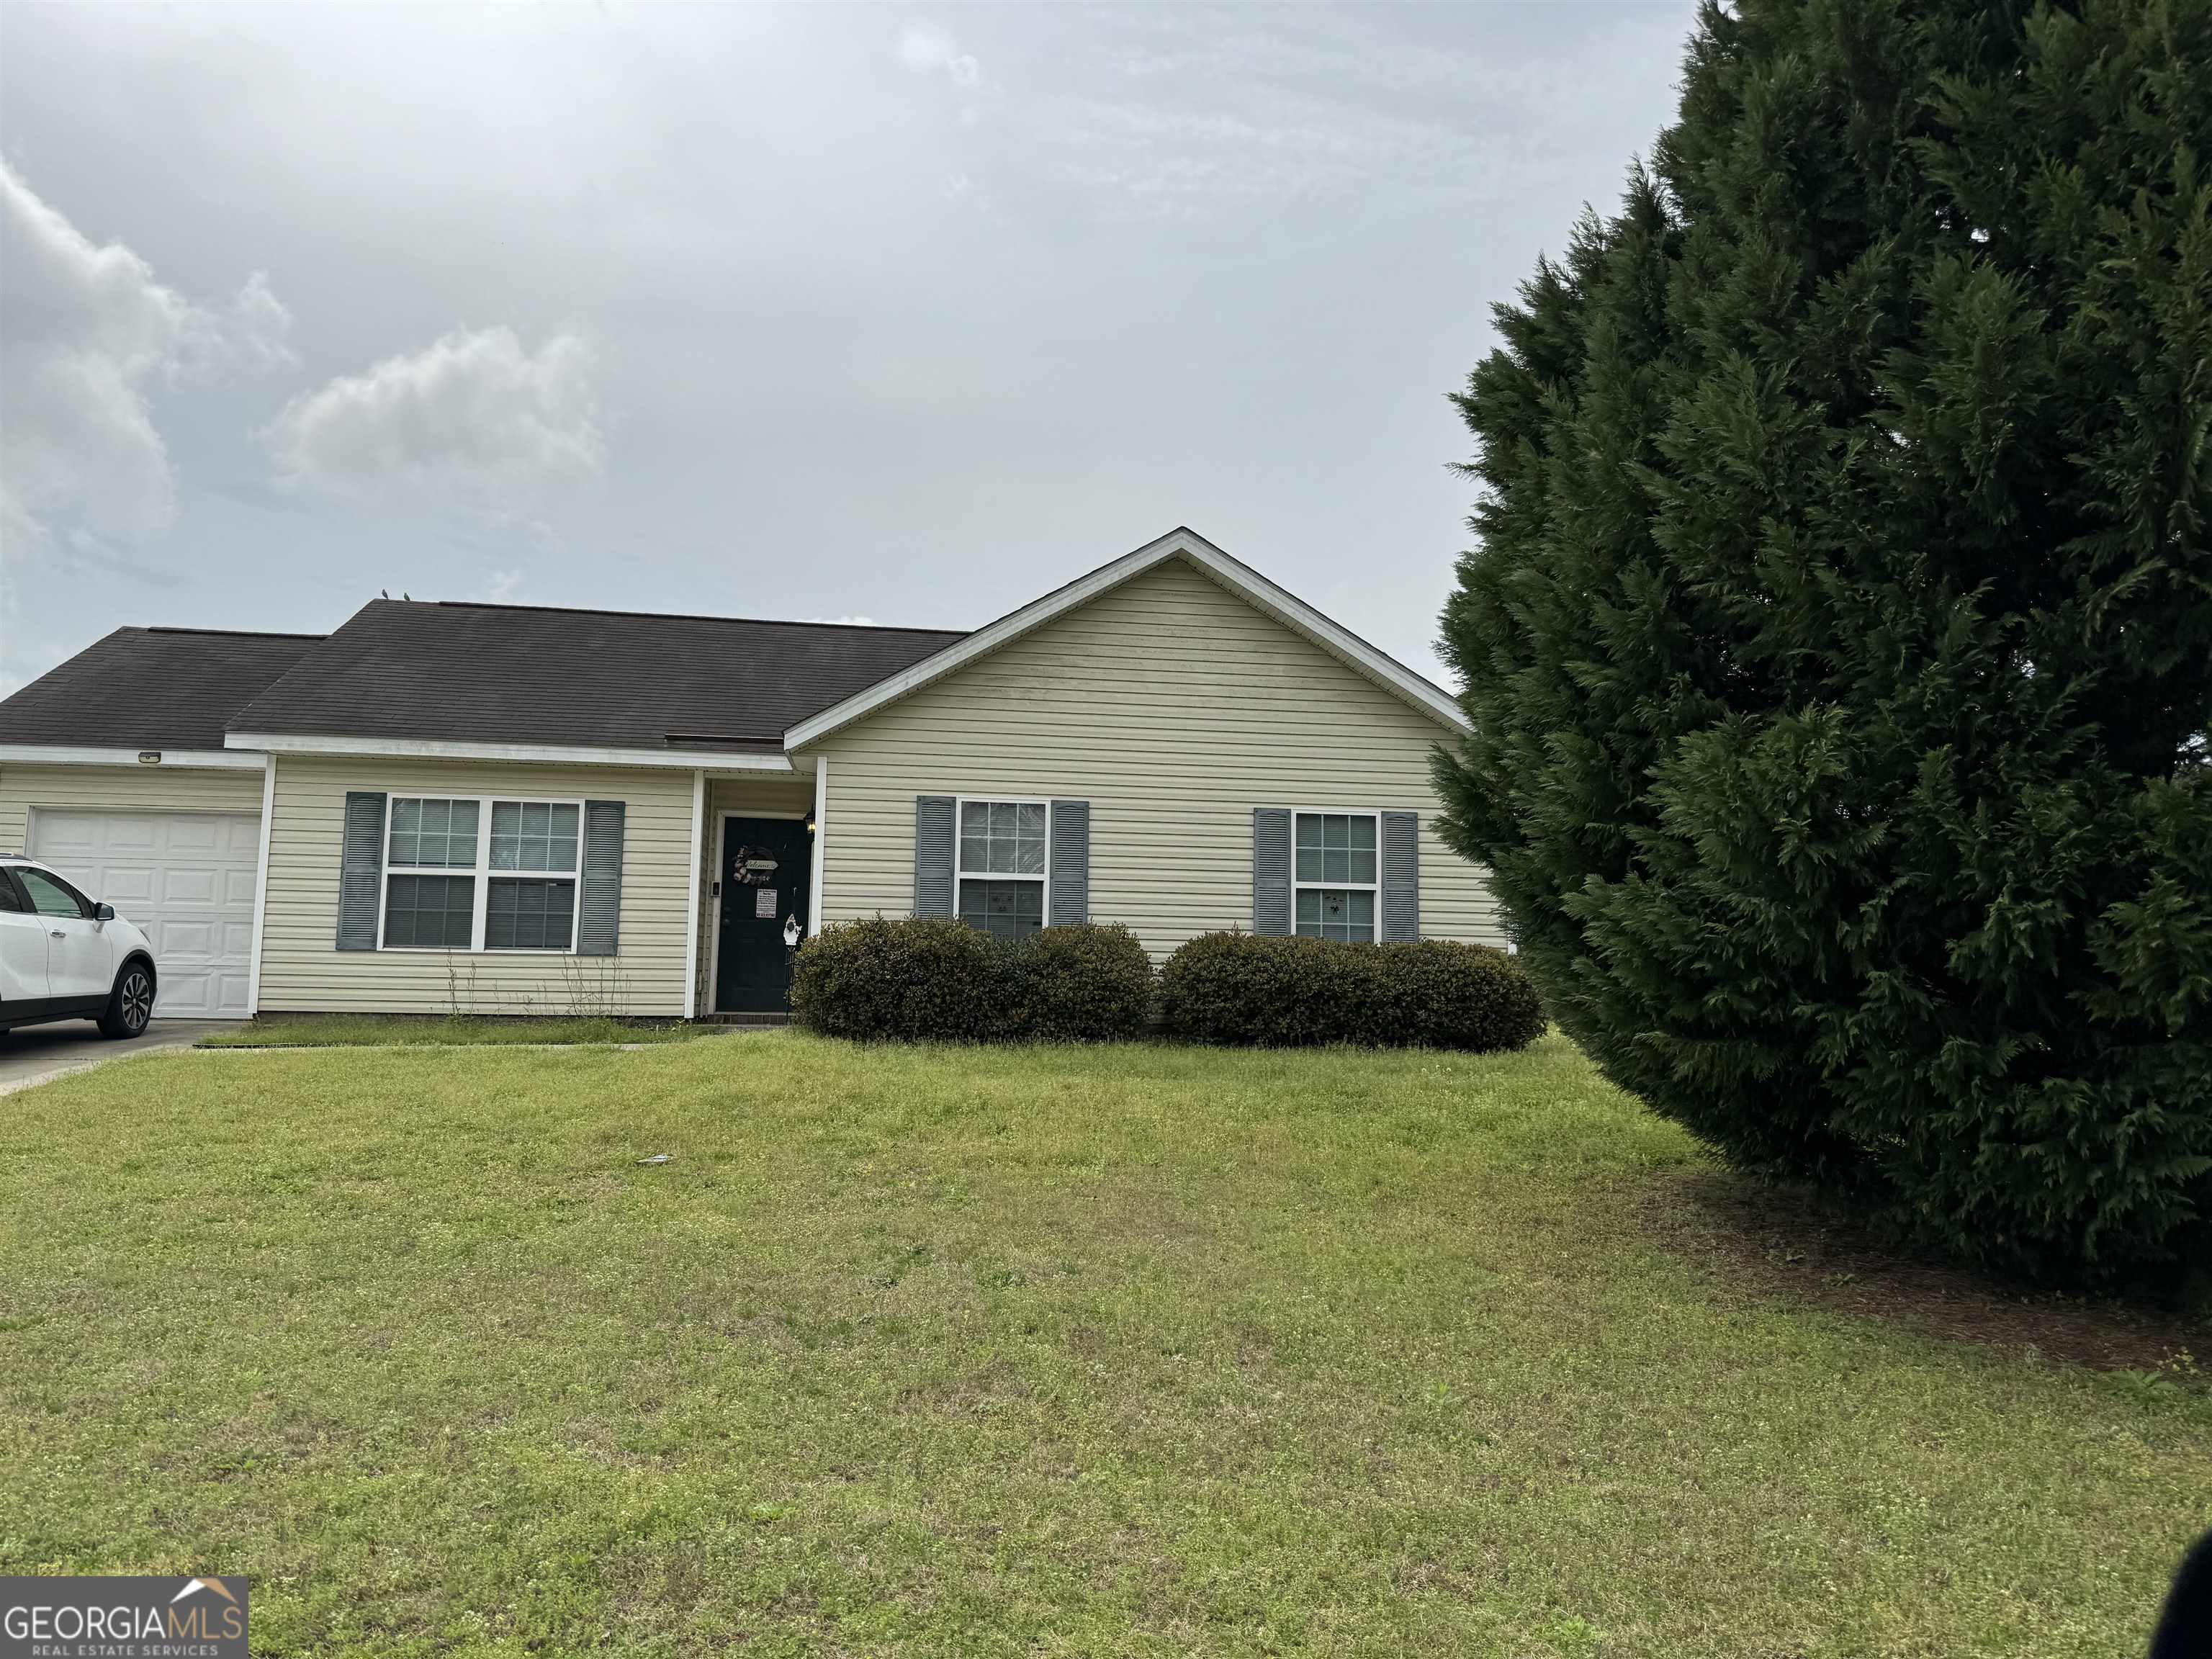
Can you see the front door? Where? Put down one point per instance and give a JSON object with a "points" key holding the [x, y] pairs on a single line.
{"points": [[764, 881]]}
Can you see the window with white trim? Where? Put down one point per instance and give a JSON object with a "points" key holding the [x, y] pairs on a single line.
{"points": [[1335, 880], [464, 874], [1000, 865]]}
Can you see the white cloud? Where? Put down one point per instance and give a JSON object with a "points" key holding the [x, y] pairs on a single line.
{"points": [[87, 333], [84, 331], [473, 418], [926, 51], [259, 324]]}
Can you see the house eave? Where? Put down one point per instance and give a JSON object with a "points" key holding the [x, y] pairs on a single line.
{"points": [[680, 760], [228, 758]]}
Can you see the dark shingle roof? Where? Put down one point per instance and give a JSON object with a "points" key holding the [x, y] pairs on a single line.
{"points": [[150, 688], [496, 673]]}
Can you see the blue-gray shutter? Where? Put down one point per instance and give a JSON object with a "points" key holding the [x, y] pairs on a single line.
{"points": [[1271, 870], [1070, 899], [361, 871], [598, 929], [932, 854], [1401, 875]]}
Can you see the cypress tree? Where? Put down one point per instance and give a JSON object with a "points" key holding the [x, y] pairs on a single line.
{"points": [[1838, 637]]}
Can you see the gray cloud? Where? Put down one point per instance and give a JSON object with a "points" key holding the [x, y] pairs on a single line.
{"points": [[909, 314], [927, 50]]}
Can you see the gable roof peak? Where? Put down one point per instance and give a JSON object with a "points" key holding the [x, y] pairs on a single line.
{"points": [[1183, 543]]}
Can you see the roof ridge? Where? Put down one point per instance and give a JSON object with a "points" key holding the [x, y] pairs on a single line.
{"points": [[234, 633], [680, 616]]}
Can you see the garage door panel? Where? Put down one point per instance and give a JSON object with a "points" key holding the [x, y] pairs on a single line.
{"points": [[122, 886], [190, 835], [131, 837], [194, 994], [177, 941], [65, 837], [187, 880], [190, 884]]}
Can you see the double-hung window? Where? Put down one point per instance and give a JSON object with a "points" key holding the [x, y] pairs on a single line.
{"points": [[464, 874], [1000, 865], [1334, 880]]}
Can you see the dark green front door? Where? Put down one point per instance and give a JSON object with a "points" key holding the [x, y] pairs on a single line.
{"points": [[764, 881]]}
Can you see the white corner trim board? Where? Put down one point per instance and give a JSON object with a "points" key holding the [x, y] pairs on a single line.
{"points": [[692, 911], [682, 760], [261, 884], [821, 833], [1285, 607], [56, 754]]}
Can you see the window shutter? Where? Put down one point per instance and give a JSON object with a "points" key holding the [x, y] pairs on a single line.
{"points": [[1070, 899], [361, 871], [932, 855], [1401, 875], [598, 929], [1271, 870]]}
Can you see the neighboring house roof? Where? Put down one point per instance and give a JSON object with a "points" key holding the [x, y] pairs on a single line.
{"points": [[170, 688], [524, 675], [1238, 578]]}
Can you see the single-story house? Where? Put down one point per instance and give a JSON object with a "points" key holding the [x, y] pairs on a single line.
{"points": [[496, 808]]}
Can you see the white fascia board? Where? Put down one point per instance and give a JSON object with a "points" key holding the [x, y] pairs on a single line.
{"points": [[55, 754], [678, 760], [1285, 607]]}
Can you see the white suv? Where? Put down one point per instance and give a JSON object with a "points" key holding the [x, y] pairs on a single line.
{"points": [[65, 956]]}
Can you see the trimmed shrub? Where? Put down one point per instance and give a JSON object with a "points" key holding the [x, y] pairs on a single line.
{"points": [[923, 980], [1081, 984], [1247, 989], [916, 979]]}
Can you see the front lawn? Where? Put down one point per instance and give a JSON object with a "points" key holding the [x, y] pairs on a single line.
{"points": [[389, 1030], [946, 1351]]}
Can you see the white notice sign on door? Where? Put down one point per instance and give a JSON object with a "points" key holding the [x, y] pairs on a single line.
{"points": [[764, 904]]}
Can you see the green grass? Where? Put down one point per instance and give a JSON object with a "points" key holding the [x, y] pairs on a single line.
{"points": [[385, 1030], [940, 1351]]}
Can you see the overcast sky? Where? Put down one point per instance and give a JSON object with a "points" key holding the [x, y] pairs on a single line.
{"points": [[902, 314]]}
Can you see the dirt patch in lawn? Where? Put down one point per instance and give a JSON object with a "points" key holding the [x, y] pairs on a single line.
{"points": [[1769, 1241]]}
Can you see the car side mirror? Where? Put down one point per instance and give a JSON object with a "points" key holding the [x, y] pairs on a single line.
{"points": [[103, 913]]}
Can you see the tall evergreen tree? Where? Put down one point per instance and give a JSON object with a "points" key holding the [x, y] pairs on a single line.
{"points": [[1839, 637]]}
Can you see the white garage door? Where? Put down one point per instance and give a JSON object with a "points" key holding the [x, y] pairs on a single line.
{"points": [[185, 878]]}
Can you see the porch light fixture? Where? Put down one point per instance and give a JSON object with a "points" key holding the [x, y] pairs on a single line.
{"points": [[810, 820]]}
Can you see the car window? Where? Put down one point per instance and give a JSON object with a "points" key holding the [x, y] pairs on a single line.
{"points": [[10, 898], [51, 896]]}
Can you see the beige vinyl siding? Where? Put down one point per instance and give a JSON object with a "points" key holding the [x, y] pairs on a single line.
{"points": [[769, 795], [23, 789], [302, 969], [1174, 707]]}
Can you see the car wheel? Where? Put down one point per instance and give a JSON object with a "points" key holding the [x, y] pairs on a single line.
{"points": [[131, 1004]]}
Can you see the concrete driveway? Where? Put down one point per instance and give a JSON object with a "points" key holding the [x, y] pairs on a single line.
{"points": [[32, 1054]]}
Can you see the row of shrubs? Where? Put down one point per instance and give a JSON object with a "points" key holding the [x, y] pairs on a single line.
{"points": [[928, 980]]}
